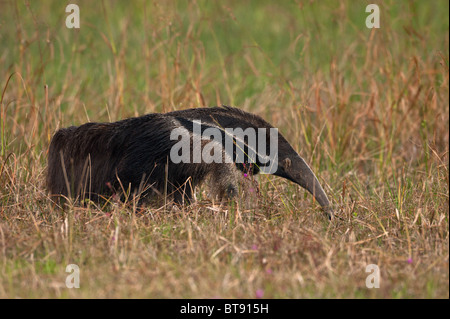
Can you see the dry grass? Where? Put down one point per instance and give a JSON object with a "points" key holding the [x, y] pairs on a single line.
{"points": [[369, 110]]}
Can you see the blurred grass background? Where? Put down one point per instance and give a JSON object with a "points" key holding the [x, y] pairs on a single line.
{"points": [[368, 109], [312, 57]]}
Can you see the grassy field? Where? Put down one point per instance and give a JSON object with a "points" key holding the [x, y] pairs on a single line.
{"points": [[368, 109]]}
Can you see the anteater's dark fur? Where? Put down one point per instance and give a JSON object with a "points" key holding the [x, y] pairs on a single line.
{"points": [[133, 155]]}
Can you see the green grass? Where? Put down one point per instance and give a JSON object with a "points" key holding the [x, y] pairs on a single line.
{"points": [[367, 109]]}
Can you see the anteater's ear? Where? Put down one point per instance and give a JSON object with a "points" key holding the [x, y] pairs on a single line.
{"points": [[287, 163]]}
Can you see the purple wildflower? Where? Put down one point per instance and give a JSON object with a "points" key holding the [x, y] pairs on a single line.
{"points": [[259, 293]]}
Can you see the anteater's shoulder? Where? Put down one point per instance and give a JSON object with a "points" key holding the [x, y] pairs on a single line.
{"points": [[253, 118], [232, 115]]}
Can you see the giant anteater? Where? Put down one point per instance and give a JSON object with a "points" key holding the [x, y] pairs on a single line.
{"points": [[134, 155]]}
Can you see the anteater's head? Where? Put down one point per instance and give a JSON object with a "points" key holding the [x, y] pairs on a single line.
{"points": [[295, 169], [289, 164]]}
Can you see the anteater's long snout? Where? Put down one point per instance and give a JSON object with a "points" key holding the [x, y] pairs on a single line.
{"points": [[302, 174]]}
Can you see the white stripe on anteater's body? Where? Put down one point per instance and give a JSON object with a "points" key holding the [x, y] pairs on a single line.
{"points": [[224, 177], [98, 159], [249, 145]]}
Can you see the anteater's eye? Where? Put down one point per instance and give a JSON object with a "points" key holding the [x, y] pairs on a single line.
{"points": [[287, 163]]}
